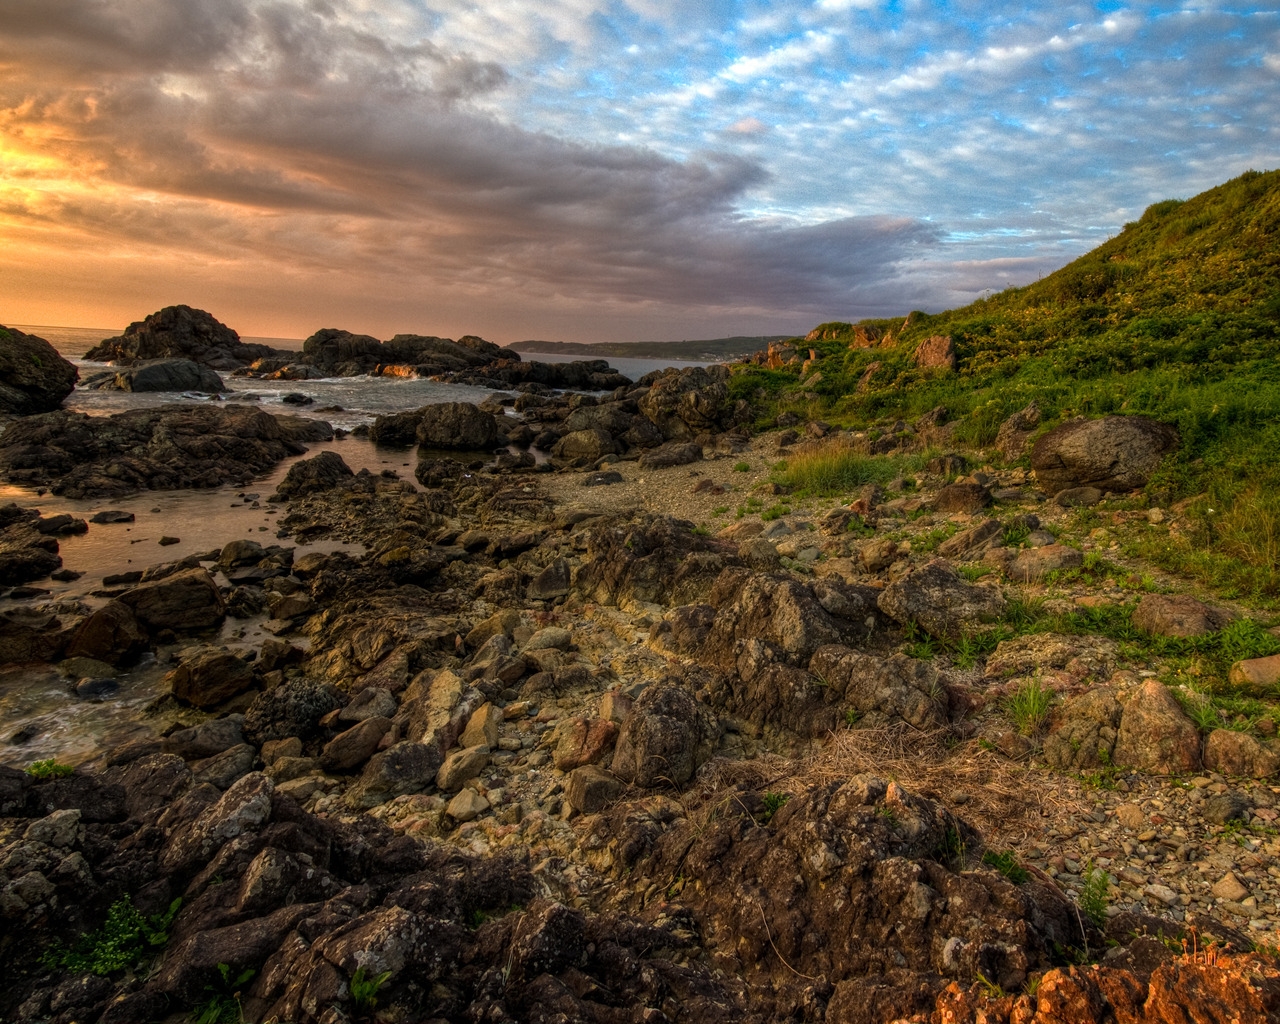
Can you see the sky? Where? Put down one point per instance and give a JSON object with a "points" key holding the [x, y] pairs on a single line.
{"points": [[597, 170]]}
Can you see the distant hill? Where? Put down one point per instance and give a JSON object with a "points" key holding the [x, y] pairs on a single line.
{"points": [[720, 349]]}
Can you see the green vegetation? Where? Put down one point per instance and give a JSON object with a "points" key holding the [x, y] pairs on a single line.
{"points": [[222, 1003], [1007, 864], [773, 803], [1029, 705], [49, 768], [741, 467], [1177, 317], [125, 939], [1093, 895], [830, 472], [364, 989]]}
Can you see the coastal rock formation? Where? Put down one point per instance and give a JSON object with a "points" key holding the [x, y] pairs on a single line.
{"points": [[1114, 453], [169, 447], [456, 425], [166, 375], [178, 331], [33, 377]]}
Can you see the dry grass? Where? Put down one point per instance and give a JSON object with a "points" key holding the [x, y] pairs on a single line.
{"points": [[998, 797]]}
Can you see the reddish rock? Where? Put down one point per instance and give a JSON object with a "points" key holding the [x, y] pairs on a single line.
{"points": [[584, 741], [1177, 615], [1155, 736], [938, 350], [1239, 754]]}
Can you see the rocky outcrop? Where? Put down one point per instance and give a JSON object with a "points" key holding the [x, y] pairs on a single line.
{"points": [[187, 601], [664, 739], [338, 353], [938, 351], [1155, 735], [26, 554], [456, 425], [308, 476], [166, 375], [937, 600], [1084, 736], [1115, 453], [166, 448], [1016, 431], [685, 403], [182, 332], [33, 377]]}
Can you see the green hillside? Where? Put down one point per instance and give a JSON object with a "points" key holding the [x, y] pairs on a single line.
{"points": [[1177, 317]]}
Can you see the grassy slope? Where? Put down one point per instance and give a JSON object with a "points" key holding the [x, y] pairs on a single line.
{"points": [[1177, 317]]}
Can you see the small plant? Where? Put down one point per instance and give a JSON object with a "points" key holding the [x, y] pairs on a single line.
{"points": [[852, 717], [222, 1004], [1007, 864], [1029, 705], [741, 467], [364, 989], [124, 940], [775, 511], [989, 988], [702, 530], [773, 803], [975, 572], [1093, 895], [951, 849], [1015, 533], [49, 768], [721, 510], [888, 814]]}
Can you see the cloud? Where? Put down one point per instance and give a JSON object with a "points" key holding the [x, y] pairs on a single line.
{"points": [[748, 126]]}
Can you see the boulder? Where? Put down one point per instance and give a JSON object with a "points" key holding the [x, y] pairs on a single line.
{"points": [[1155, 736], [467, 806], [1031, 565], [355, 746], [1221, 808], [461, 766], [1085, 734], [937, 351], [1255, 675], [551, 583], [457, 425], [221, 770], [26, 555], [962, 498], [396, 429], [688, 402], [583, 447], [936, 599], [584, 741], [400, 769], [321, 473], [178, 331], [206, 739], [1177, 615], [209, 676], [1115, 453], [973, 542], [483, 728], [293, 708], [110, 634], [884, 690], [371, 702], [33, 377], [185, 602], [1239, 754], [1016, 431], [590, 789], [674, 453], [167, 375], [665, 738]]}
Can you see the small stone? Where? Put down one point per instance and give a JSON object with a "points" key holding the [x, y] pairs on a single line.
{"points": [[1257, 675], [1130, 815], [483, 727], [274, 750], [165, 542], [1164, 894], [590, 788], [467, 806], [461, 766], [1230, 888]]}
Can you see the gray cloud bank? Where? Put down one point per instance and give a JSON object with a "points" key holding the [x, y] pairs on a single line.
{"points": [[290, 132]]}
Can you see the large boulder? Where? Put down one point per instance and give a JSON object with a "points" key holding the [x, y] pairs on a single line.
{"points": [[322, 473], [1155, 736], [1085, 734], [184, 602], [33, 377], [937, 600], [1016, 431], [1115, 453], [457, 425], [26, 555], [291, 709], [182, 332], [1238, 754], [167, 375], [1178, 615], [586, 446], [884, 691], [111, 634], [665, 738], [688, 402], [208, 676]]}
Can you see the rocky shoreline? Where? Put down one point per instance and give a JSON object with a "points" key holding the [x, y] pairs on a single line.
{"points": [[573, 739]]}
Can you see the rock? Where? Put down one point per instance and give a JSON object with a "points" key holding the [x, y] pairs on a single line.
{"points": [[761, 555], [400, 769], [1084, 735], [457, 425], [590, 789], [206, 739], [1238, 754], [460, 766], [238, 553], [297, 398], [292, 709], [939, 601], [109, 517], [185, 602], [439, 706], [286, 607], [1081, 656], [33, 377], [584, 741], [167, 375], [970, 543], [1256, 675], [1016, 431], [602, 479], [355, 746], [1077, 497], [27, 634], [1178, 615], [1228, 887], [936, 351], [26, 555], [397, 429], [673, 454], [503, 622], [371, 702], [962, 498], [96, 688], [688, 402], [1224, 807], [1032, 564], [551, 583], [1115, 453], [61, 525], [550, 638], [178, 331], [209, 676], [110, 634], [884, 690], [1130, 816], [467, 806], [1154, 735], [275, 750], [483, 728], [223, 769], [243, 807], [310, 476], [584, 447], [665, 738]]}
